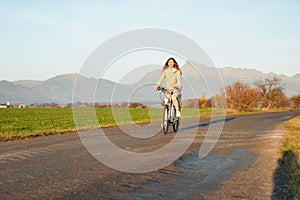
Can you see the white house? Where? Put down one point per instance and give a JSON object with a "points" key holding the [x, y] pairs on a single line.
{"points": [[7, 105]]}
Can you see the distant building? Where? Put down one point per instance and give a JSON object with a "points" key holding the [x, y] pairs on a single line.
{"points": [[7, 105], [3, 106], [17, 105]]}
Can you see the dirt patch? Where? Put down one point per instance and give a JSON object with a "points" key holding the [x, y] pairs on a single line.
{"points": [[266, 179]]}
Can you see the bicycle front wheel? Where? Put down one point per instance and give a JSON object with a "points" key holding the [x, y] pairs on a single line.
{"points": [[166, 122]]}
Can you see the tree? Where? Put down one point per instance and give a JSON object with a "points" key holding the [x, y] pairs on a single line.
{"points": [[217, 101], [190, 103], [240, 96], [202, 101], [281, 100], [296, 101], [271, 92]]}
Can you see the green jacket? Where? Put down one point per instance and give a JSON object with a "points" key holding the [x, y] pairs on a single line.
{"points": [[173, 79]]}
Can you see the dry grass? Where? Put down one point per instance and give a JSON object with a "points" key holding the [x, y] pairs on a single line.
{"points": [[291, 155]]}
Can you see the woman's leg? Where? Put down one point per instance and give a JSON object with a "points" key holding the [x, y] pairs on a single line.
{"points": [[176, 104]]}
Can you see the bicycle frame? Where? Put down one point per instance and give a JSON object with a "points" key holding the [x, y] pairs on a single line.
{"points": [[169, 115], [171, 108]]}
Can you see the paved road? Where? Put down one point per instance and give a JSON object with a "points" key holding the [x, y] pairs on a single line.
{"points": [[242, 165]]}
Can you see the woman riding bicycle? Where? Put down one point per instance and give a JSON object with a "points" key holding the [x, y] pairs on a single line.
{"points": [[172, 72]]}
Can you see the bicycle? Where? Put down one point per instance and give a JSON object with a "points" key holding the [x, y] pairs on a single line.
{"points": [[169, 114]]}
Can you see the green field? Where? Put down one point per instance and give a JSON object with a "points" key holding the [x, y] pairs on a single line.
{"points": [[32, 122]]}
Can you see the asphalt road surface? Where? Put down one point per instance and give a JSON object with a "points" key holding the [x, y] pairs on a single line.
{"points": [[244, 164]]}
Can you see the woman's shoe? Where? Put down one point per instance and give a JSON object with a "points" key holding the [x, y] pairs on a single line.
{"points": [[178, 114]]}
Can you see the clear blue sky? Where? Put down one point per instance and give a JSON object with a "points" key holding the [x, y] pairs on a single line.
{"points": [[41, 39]]}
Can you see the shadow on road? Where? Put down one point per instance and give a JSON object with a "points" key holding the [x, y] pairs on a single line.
{"points": [[280, 177], [208, 123]]}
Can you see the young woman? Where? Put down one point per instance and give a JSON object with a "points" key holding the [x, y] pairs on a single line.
{"points": [[172, 73]]}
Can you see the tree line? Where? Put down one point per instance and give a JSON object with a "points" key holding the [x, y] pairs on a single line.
{"points": [[267, 94]]}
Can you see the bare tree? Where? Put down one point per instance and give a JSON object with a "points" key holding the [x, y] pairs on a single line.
{"points": [[202, 101], [217, 101], [240, 96], [271, 92], [190, 103], [295, 100]]}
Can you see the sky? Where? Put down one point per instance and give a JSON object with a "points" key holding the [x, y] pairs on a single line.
{"points": [[42, 39]]}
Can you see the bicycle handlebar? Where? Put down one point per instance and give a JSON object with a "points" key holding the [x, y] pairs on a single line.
{"points": [[165, 90], [161, 89]]}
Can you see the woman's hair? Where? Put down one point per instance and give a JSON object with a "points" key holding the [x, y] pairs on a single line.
{"points": [[175, 65]]}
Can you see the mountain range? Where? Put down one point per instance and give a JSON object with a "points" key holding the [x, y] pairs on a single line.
{"points": [[197, 79]]}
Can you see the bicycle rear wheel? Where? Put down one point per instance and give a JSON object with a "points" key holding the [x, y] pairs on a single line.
{"points": [[176, 122], [166, 122]]}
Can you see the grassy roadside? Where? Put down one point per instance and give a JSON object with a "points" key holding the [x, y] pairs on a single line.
{"points": [[291, 155]]}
